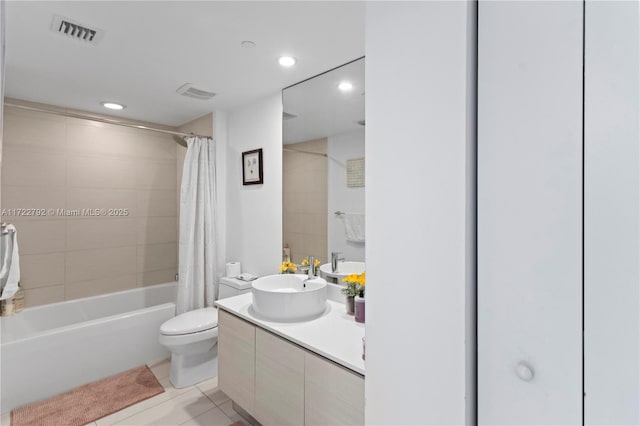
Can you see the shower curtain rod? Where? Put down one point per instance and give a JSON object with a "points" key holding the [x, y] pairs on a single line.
{"points": [[304, 152], [101, 120]]}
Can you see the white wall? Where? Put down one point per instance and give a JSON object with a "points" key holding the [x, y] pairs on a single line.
{"points": [[254, 212], [612, 214], [341, 148], [418, 139], [530, 212]]}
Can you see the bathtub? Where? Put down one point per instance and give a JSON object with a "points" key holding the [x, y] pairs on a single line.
{"points": [[49, 349]]}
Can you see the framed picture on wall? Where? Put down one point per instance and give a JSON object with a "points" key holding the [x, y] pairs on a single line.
{"points": [[252, 167]]}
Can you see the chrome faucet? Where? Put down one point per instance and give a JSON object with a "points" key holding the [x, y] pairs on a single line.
{"points": [[335, 258], [312, 267]]}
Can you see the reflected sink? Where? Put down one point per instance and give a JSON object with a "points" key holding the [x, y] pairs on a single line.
{"points": [[289, 297], [344, 269]]}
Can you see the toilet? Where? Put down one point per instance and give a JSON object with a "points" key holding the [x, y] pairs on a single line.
{"points": [[192, 339]]}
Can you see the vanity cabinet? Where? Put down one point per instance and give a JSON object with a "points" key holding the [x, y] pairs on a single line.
{"points": [[279, 383], [333, 395], [236, 359], [280, 386]]}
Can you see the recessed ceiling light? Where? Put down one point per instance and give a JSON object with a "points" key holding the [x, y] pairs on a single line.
{"points": [[248, 44], [112, 105], [345, 86], [286, 61]]}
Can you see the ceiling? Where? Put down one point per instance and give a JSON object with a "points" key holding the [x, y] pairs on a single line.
{"points": [[321, 109], [150, 48]]}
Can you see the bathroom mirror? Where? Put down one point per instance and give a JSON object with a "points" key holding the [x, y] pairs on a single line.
{"points": [[323, 164]]}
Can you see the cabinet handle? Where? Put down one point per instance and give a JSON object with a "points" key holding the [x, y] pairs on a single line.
{"points": [[524, 372]]}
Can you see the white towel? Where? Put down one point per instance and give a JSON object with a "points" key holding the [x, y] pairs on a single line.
{"points": [[10, 272], [354, 227]]}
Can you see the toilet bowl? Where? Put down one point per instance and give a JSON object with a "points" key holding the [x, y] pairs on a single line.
{"points": [[192, 339]]}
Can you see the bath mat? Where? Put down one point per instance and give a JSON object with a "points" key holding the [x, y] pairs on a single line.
{"points": [[90, 402]]}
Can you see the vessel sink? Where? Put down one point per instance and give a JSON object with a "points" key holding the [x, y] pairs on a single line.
{"points": [[289, 297], [344, 269]]}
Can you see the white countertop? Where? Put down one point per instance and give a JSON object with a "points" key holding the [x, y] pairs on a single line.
{"points": [[335, 335]]}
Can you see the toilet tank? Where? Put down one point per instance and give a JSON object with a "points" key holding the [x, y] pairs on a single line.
{"points": [[230, 287]]}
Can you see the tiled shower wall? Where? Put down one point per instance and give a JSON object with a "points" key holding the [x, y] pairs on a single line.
{"points": [[52, 162], [304, 199]]}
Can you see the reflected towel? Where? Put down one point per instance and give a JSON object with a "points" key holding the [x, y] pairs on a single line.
{"points": [[354, 227], [10, 272]]}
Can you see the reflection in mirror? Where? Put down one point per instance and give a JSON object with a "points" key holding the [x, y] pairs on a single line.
{"points": [[323, 165]]}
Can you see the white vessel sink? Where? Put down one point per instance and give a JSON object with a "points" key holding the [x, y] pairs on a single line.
{"points": [[344, 269], [289, 297]]}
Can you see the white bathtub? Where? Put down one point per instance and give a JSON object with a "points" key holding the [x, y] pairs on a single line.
{"points": [[50, 349]]}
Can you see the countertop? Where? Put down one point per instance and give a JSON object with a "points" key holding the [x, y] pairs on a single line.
{"points": [[334, 335]]}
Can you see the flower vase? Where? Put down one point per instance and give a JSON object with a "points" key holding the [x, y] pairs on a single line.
{"points": [[359, 309], [350, 305]]}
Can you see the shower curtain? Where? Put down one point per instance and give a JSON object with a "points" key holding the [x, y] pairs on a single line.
{"points": [[198, 263]]}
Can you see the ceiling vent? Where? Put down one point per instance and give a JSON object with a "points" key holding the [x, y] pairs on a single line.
{"points": [[191, 92], [288, 115], [75, 30]]}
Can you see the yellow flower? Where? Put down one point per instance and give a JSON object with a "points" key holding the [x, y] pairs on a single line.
{"points": [[305, 261], [287, 267], [316, 263], [359, 279]]}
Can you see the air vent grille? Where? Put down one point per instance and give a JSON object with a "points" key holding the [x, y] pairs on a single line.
{"points": [[73, 29], [191, 92]]}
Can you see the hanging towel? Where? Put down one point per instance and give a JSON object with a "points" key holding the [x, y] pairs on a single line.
{"points": [[10, 272], [354, 227]]}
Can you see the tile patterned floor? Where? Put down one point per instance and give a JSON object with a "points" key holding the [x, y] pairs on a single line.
{"points": [[202, 404]]}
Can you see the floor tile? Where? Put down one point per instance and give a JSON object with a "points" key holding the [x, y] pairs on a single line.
{"points": [[213, 417], [210, 385], [238, 418], [227, 408], [5, 419], [169, 393], [175, 411], [161, 369], [213, 392]]}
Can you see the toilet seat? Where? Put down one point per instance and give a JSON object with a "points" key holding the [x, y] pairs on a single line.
{"points": [[195, 321]]}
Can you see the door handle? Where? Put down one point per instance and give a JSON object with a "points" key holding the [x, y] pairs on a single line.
{"points": [[524, 371]]}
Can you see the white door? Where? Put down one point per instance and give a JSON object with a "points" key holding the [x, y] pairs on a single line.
{"points": [[530, 212], [612, 213]]}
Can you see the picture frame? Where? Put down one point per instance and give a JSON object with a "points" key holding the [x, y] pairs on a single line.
{"points": [[252, 167]]}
